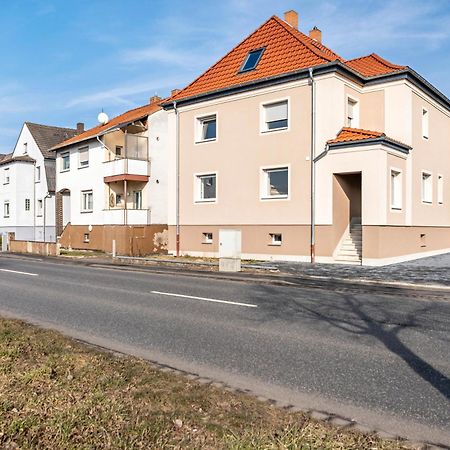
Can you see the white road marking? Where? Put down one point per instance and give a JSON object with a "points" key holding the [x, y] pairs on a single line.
{"points": [[20, 273], [205, 299]]}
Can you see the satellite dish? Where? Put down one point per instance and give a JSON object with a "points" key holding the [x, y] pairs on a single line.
{"points": [[103, 118]]}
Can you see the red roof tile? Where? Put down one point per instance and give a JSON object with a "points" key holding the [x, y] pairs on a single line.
{"points": [[373, 65], [354, 134], [129, 116], [286, 50]]}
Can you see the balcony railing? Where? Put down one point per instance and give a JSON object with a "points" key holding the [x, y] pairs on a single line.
{"points": [[126, 166], [128, 146], [126, 216]]}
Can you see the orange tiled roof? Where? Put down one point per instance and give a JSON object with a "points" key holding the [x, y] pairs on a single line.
{"points": [[355, 134], [373, 65], [129, 116], [286, 50]]}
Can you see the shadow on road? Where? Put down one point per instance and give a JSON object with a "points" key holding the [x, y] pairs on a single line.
{"points": [[361, 317]]}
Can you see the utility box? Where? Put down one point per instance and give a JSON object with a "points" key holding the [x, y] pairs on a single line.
{"points": [[229, 250]]}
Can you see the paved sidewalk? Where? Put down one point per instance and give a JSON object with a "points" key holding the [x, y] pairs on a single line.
{"points": [[429, 271]]}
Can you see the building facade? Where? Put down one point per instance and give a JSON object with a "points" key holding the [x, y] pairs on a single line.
{"points": [[112, 184], [27, 185], [309, 154]]}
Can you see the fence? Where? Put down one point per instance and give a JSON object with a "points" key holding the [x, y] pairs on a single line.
{"points": [[37, 248]]}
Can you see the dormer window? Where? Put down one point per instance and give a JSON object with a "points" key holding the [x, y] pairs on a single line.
{"points": [[252, 60]]}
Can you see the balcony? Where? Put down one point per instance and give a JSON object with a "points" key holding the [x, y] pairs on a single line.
{"points": [[121, 216], [125, 169]]}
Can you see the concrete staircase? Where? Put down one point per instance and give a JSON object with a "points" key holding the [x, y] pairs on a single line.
{"points": [[350, 251]]}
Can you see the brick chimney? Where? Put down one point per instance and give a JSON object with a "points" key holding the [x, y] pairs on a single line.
{"points": [[155, 99], [80, 127], [291, 17], [316, 34], [174, 92]]}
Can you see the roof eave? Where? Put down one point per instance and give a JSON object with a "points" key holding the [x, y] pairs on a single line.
{"points": [[383, 140]]}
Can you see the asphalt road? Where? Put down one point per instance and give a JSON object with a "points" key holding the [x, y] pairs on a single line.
{"points": [[383, 360]]}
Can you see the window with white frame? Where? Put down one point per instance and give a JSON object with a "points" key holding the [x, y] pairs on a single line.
{"points": [[425, 123], [275, 116], [276, 238], [119, 151], [396, 189], [65, 161], [86, 238], [440, 189], [87, 201], [6, 208], [352, 113], [38, 174], [25, 148], [206, 186], [137, 199], [39, 208], [427, 187], [27, 204], [207, 238], [206, 128], [6, 177], [119, 199], [83, 157], [275, 183]]}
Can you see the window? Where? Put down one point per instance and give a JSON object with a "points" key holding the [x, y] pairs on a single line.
{"points": [[275, 239], [119, 151], [38, 174], [207, 238], [27, 204], [83, 155], [206, 187], [119, 199], [275, 116], [427, 187], [440, 189], [137, 199], [6, 176], [396, 189], [6, 210], [425, 123], [39, 208], [87, 201], [275, 183], [25, 148], [86, 238], [65, 161], [207, 128], [252, 60], [352, 113]]}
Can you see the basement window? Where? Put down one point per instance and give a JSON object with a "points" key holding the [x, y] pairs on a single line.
{"points": [[86, 238], [276, 239], [252, 60], [207, 238]]}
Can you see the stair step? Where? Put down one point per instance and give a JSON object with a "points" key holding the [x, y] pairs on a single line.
{"points": [[349, 263]]}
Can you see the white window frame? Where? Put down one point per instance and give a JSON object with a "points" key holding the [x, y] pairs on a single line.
{"points": [[141, 200], [356, 115], [80, 149], [425, 123], [83, 203], [275, 242], [86, 238], [396, 204], [6, 209], [440, 189], [6, 176], [198, 187], [27, 204], [425, 200], [264, 193], [63, 155], [39, 207], [25, 148], [38, 174], [206, 238], [198, 127], [262, 116]]}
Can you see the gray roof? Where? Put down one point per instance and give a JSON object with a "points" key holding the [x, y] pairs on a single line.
{"points": [[47, 137], [5, 159]]}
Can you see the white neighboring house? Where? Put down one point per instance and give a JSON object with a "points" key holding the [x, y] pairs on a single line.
{"points": [[27, 183], [114, 177]]}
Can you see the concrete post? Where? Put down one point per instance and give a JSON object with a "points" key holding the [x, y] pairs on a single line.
{"points": [[114, 248]]}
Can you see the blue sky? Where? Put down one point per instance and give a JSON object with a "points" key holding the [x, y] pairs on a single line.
{"points": [[65, 60]]}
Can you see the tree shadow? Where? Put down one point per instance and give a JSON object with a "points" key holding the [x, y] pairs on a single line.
{"points": [[362, 317]]}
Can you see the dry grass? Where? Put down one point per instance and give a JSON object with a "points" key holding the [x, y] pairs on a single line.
{"points": [[58, 394]]}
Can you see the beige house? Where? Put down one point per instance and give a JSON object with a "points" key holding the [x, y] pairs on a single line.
{"points": [[309, 155]]}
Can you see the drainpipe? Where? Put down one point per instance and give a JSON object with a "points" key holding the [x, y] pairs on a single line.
{"points": [[313, 166], [177, 146]]}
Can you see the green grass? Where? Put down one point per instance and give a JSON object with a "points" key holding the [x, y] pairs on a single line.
{"points": [[58, 394]]}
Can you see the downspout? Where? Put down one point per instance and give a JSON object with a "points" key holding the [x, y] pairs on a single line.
{"points": [[313, 166], [177, 164]]}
